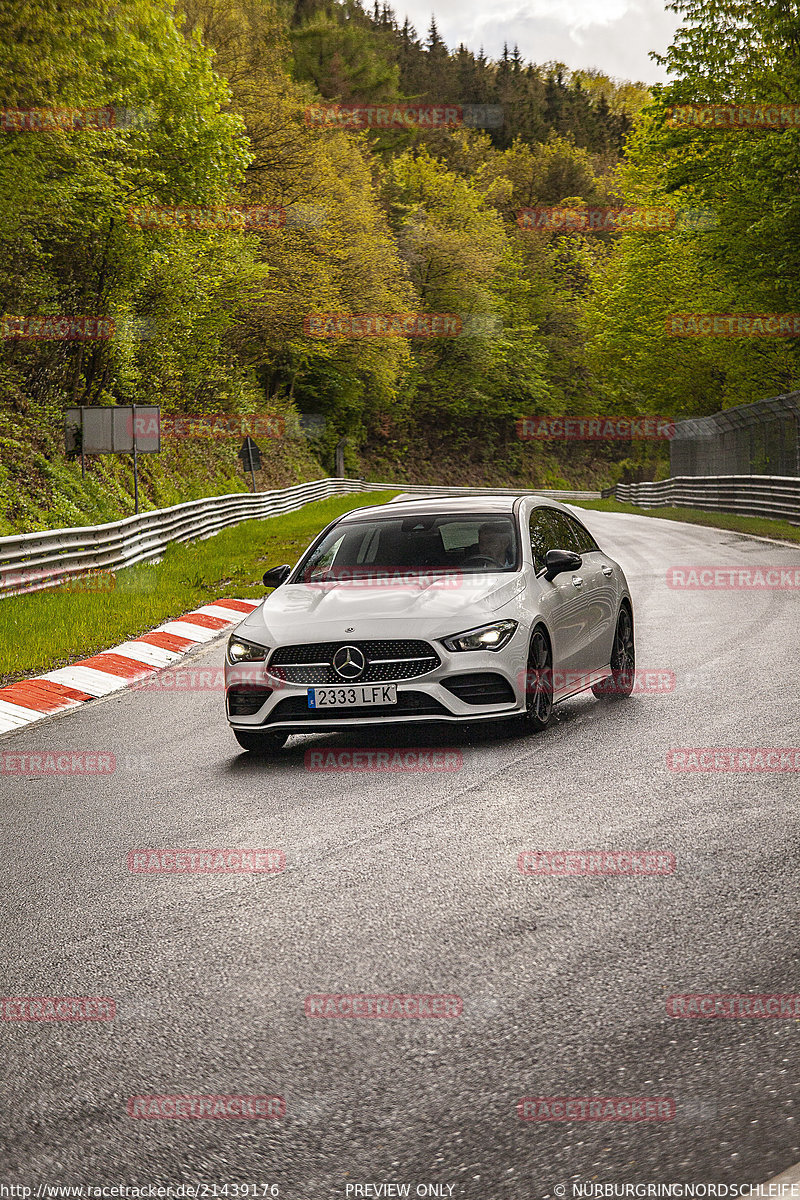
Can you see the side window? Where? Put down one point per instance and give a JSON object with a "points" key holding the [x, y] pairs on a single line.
{"points": [[541, 537], [566, 534], [585, 540]]}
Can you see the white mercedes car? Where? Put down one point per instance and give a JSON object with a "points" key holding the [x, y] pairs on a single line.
{"points": [[450, 610]]}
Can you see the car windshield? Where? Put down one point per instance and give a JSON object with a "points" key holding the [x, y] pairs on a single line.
{"points": [[420, 545]]}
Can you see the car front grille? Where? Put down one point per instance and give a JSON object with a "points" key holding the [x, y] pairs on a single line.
{"points": [[409, 704], [386, 660]]}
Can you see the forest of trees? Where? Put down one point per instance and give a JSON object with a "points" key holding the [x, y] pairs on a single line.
{"points": [[417, 220]]}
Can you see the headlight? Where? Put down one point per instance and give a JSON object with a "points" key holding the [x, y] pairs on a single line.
{"points": [[240, 651], [486, 637]]}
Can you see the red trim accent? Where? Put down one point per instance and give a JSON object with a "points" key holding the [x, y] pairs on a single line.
{"points": [[115, 664], [166, 641], [42, 695], [196, 618], [242, 606]]}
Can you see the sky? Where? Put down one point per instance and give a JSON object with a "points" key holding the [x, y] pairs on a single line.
{"points": [[614, 36]]}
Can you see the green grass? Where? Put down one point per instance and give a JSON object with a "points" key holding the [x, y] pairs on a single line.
{"points": [[48, 629], [759, 526]]}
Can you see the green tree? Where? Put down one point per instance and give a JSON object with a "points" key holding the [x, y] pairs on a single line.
{"points": [[744, 253]]}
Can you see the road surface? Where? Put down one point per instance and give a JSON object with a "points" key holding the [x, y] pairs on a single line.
{"points": [[408, 883]]}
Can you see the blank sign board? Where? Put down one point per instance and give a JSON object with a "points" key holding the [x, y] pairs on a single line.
{"points": [[110, 430]]}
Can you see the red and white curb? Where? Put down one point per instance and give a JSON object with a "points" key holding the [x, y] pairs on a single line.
{"points": [[32, 699]]}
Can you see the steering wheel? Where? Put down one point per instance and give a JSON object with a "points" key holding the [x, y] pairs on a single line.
{"points": [[480, 560]]}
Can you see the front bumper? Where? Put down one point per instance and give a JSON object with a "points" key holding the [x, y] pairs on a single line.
{"points": [[423, 699]]}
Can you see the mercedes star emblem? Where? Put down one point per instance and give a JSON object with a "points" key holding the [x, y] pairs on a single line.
{"points": [[349, 662]]}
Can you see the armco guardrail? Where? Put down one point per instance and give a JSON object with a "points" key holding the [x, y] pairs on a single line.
{"points": [[437, 490], [30, 562], [776, 496]]}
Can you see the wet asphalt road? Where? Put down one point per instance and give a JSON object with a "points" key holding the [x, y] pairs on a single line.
{"points": [[409, 884]]}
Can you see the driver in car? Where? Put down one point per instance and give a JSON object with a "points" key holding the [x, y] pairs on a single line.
{"points": [[494, 542]]}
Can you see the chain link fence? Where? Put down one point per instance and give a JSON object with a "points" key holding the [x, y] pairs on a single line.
{"points": [[751, 439]]}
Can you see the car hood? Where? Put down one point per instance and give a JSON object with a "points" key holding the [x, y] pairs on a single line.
{"points": [[299, 612]]}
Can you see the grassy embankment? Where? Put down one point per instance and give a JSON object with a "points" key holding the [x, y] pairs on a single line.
{"points": [[48, 629], [41, 489]]}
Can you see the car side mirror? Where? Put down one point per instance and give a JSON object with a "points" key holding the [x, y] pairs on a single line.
{"points": [[556, 561], [275, 576]]}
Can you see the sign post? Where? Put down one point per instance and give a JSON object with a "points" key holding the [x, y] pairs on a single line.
{"points": [[114, 429], [339, 457], [250, 454]]}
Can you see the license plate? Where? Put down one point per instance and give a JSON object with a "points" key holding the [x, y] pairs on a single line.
{"points": [[348, 697]]}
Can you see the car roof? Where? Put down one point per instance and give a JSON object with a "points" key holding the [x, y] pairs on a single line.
{"points": [[409, 506]]}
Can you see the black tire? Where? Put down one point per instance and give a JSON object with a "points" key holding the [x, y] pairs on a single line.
{"points": [[259, 742], [619, 684], [538, 684]]}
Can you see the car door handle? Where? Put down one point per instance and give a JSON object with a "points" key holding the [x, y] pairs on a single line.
{"points": [[608, 570], [577, 581]]}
